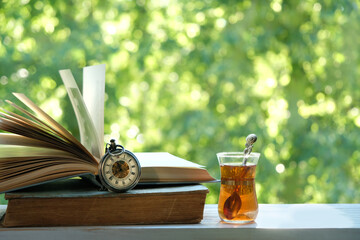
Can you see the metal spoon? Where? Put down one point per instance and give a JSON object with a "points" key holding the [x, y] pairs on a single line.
{"points": [[233, 203], [250, 140]]}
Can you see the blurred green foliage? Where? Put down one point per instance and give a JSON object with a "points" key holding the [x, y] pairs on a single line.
{"points": [[194, 78]]}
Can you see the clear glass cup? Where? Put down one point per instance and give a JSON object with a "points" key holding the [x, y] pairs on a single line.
{"points": [[237, 200]]}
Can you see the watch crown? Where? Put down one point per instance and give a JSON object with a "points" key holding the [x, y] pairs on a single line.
{"points": [[112, 145]]}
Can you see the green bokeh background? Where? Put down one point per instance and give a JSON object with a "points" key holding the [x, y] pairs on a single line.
{"points": [[194, 78]]}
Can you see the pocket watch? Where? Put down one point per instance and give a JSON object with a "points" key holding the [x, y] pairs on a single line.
{"points": [[119, 169]]}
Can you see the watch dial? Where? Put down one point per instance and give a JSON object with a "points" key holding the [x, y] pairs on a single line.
{"points": [[120, 171]]}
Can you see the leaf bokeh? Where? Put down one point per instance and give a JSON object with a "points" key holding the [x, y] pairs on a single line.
{"points": [[194, 78]]}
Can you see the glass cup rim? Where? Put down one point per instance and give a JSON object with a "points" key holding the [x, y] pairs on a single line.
{"points": [[237, 154]]}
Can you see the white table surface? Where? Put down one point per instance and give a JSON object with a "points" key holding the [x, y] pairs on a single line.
{"points": [[275, 221]]}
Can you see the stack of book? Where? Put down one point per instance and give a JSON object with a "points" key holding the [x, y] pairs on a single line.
{"points": [[43, 167]]}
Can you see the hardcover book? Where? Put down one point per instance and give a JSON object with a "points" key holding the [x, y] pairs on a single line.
{"points": [[73, 202]]}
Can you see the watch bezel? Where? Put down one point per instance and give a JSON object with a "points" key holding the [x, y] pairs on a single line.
{"points": [[101, 174]]}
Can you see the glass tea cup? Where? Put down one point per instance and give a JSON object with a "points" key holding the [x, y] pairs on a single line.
{"points": [[237, 200]]}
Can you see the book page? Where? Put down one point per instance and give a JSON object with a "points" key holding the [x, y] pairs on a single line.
{"points": [[45, 174], [165, 168], [15, 139], [48, 131], [164, 159], [88, 134], [26, 128], [49, 120], [93, 95], [8, 151]]}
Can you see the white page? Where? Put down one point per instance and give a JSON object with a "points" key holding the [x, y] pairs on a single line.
{"points": [[93, 95], [88, 134], [163, 159]]}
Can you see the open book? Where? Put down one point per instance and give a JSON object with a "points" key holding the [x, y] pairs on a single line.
{"points": [[36, 149]]}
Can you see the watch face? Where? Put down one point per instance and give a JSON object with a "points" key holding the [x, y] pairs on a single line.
{"points": [[120, 172]]}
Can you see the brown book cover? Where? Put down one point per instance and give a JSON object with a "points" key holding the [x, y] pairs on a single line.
{"points": [[74, 202]]}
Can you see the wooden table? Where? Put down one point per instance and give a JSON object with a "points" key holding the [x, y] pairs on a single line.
{"points": [[275, 221]]}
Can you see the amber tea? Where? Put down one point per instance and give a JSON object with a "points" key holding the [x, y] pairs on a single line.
{"points": [[237, 201]]}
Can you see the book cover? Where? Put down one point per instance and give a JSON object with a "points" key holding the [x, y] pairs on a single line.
{"points": [[74, 202]]}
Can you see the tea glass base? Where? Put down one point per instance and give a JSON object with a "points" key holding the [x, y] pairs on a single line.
{"points": [[238, 221]]}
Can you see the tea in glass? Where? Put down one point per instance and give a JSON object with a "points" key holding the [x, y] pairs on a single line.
{"points": [[238, 200]]}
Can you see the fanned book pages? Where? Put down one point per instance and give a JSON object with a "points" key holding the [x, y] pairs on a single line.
{"points": [[34, 148]]}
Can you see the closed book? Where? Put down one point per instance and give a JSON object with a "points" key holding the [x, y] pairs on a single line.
{"points": [[75, 202]]}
